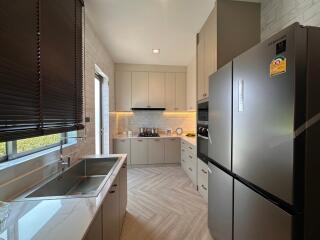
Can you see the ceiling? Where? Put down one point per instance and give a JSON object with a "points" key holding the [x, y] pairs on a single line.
{"points": [[130, 29]]}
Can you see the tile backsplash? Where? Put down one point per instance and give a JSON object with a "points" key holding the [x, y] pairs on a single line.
{"points": [[157, 119]]}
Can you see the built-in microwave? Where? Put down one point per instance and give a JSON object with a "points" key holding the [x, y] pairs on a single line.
{"points": [[203, 111], [202, 130]]}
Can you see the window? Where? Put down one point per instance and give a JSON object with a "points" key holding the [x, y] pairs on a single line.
{"points": [[2, 149], [20, 148], [30, 144]]}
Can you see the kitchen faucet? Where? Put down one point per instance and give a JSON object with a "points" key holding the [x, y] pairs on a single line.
{"points": [[62, 162]]}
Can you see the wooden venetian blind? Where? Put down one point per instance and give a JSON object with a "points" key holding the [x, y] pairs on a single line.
{"points": [[41, 79]]}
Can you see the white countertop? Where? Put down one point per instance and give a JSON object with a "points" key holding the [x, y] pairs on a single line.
{"points": [[191, 140], [65, 218]]}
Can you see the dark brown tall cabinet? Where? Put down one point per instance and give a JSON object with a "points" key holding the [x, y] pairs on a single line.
{"points": [[41, 67]]}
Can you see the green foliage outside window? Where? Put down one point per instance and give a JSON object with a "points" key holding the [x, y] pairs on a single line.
{"points": [[2, 149], [28, 144]]}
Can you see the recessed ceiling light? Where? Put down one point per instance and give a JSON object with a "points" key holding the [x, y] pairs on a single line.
{"points": [[156, 51]]}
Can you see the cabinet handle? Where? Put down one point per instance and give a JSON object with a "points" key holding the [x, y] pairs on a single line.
{"points": [[204, 187], [190, 169], [140, 140], [115, 185], [182, 150], [124, 166], [190, 148], [157, 140], [190, 157], [182, 160], [112, 191], [204, 94], [205, 172]]}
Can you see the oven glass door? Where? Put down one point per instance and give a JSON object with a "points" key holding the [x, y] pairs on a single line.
{"points": [[202, 147]]}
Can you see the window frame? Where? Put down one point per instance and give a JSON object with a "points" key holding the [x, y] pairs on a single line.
{"points": [[11, 148]]}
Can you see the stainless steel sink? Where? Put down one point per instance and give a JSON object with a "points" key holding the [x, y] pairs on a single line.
{"points": [[84, 179]]}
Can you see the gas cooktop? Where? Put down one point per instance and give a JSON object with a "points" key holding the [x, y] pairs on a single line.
{"points": [[149, 134]]}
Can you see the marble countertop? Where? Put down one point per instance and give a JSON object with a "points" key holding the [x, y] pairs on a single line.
{"points": [[191, 140], [64, 218]]}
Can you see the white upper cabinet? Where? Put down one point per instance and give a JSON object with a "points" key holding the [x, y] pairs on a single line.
{"points": [[175, 92], [180, 92], [139, 89], [150, 86], [123, 91], [170, 91], [156, 90]]}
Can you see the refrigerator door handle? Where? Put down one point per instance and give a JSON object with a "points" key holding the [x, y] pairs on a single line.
{"points": [[209, 137], [241, 95]]}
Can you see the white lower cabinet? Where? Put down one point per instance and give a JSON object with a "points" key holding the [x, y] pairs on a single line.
{"points": [[139, 151], [143, 151], [172, 150], [107, 224], [203, 179], [189, 160], [156, 151], [122, 146], [111, 213], [95, 230]]}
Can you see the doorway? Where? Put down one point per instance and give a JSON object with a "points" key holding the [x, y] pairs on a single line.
{"points": [[101, 103]]}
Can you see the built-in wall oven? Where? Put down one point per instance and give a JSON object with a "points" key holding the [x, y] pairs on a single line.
{"points": [[202, 130]]}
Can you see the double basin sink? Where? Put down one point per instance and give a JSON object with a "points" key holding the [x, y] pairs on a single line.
{"points": [[84, 179]]}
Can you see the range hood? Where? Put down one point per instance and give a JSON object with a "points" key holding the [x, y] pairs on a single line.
{"points": [[147, 109]]}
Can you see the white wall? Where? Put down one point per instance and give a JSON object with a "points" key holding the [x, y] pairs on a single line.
{"points": [[278, 14]]}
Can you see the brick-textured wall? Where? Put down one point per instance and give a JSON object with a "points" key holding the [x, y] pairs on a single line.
{"points": [[95, 54], [278, 14]]}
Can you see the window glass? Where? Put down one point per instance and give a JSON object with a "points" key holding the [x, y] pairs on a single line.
{"points": [[30, 144], [2, 149]]}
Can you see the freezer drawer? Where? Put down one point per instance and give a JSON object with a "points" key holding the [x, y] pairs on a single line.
{"points": [[257, 218], [220, 194], [220, 112]]}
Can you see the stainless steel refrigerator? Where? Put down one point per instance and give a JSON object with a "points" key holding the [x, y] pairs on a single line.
{"points": [[264, 153]]}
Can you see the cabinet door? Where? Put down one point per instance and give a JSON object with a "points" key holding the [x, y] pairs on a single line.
{"points": [[156, 151], [156, 89], [172, 150], [210, 58], [180, 92], [139, 153], [123, 91], [123, 194], [139, 89], [192, 85], [200, 65], [95, 230], [122, 146], [111, 213], [170, 91]]}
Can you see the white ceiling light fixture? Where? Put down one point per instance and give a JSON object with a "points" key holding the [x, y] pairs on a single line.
{"points": [[156, 51]]}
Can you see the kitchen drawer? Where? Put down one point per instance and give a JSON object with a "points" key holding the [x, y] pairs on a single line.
{"points": [[189, 147], [192, 168], [203, 179]]}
